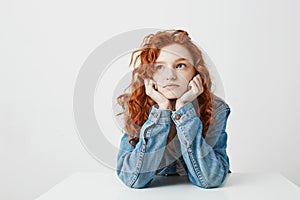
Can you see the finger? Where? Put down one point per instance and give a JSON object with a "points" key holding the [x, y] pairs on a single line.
{"points": [[189, 85], [199, 85], [151, 84], [146, 82], [198, 79], [195, 78], [198, 82], [155, 85], [197, 89], [193, 85], [147, 85]]}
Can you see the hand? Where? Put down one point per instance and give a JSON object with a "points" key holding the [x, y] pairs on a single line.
{"points": [[151, 91], [195, 89]]}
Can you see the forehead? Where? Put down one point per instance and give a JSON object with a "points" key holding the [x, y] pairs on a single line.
{"points": [[173, 52]]}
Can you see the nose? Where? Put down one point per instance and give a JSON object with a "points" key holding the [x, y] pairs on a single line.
{"points": [[170, 74]]}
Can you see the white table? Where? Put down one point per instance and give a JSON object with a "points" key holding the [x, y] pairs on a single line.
{"points": [[98, 186]]}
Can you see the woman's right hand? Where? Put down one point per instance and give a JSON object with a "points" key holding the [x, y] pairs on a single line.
{"points": [[151, 91]]}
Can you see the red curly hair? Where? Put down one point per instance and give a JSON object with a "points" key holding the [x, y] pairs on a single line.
{"points": [[137, 105]]}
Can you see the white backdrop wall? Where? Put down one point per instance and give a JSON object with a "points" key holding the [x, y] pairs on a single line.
{"points": [[43, 44]]}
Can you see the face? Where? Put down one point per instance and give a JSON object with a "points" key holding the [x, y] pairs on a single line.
{"points": [[173, 71]]}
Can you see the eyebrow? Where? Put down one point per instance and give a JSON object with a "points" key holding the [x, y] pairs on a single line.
{"points": [[179, 59]]}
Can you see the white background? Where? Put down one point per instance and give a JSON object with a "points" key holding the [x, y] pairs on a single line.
{"points": [[43, 44]]}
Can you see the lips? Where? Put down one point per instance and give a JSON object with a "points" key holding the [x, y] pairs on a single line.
{"points": [[171, 86]]}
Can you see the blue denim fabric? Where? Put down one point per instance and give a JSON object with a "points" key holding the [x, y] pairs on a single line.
{"points": [[205, 159]]}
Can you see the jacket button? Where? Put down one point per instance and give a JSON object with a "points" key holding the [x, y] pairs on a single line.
{"points": [[155, 115], [177, 117]]}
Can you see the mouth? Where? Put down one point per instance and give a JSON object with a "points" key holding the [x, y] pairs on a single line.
{"points": [[170, 86]]}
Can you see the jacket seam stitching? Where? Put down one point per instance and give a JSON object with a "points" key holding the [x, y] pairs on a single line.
{"points": [[192, 159], [141, 157]]}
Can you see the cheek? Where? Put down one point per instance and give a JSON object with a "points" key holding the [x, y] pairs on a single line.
{"points": [[157, 77], [190, 75], [185, 79]]}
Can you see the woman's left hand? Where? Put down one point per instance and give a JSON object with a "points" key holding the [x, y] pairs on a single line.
{"points": [[195, 89]]}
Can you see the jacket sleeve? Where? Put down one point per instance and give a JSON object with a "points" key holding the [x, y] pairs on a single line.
{"points": [[136, 166], [206, 158]]}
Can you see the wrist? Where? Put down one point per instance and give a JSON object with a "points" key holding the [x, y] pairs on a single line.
{"points": [[179, 104], [165, 106]]}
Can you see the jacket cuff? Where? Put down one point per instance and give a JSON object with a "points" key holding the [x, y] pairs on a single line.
{"points": [[159, 116], [184, 113]]}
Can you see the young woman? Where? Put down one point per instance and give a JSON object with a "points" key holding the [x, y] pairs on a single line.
{"points": [[174, 124]]}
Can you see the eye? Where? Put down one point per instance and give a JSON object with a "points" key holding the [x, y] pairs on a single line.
{"points": [[181, 65], [159, 67]]}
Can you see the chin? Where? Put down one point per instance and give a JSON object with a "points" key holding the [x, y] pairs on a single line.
{"points": [[171, 96]]}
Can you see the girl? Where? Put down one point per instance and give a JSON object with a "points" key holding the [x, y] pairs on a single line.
{"points": [[174, 124]]}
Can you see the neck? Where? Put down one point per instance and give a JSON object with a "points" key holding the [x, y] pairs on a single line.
{"points": [[173, 103]]}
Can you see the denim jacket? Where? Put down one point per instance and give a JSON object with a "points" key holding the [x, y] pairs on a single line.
{"points": [[205, 159]]}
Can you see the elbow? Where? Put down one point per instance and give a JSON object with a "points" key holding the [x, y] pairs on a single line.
{"points": [[132, 181], [136, 186], [209, 182], [139, 184], [214, 184]]}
